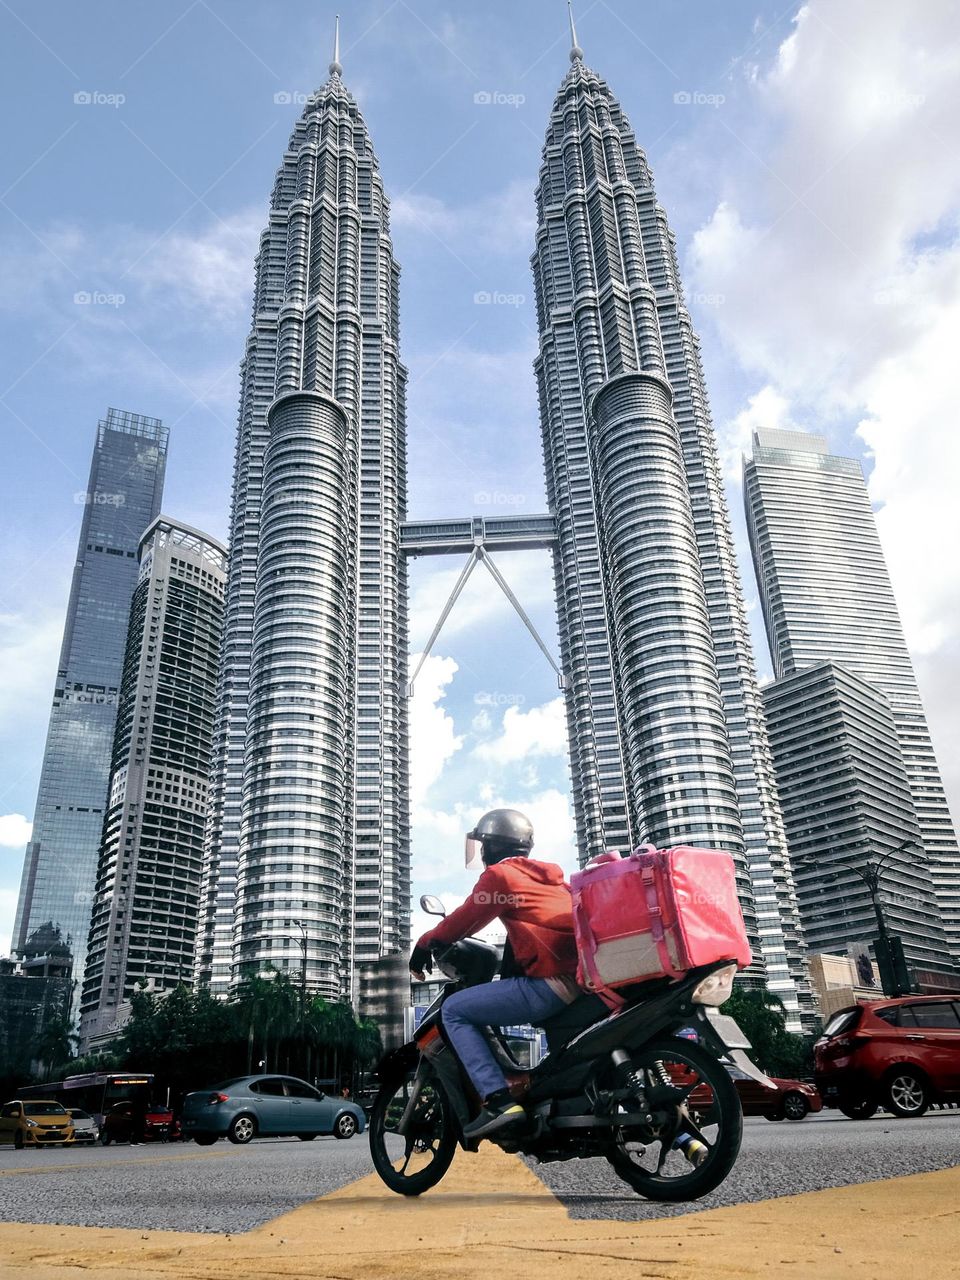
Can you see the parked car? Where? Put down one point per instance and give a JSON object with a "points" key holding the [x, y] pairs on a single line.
{"points": [[786, 1100], [123, 1123], [35, 1123], [899, 1054], [778, 1100], [85, 1127], [261, 1106]]}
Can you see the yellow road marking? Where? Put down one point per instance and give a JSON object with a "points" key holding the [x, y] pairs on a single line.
{"points": [[492, 1214], [112, 1164]]}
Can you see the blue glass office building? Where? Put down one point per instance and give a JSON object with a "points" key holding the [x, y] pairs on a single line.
{"points": [[122, 497]]}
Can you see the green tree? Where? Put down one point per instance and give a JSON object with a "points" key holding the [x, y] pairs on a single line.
{"points": [[762, 1018], [55, 1046]]}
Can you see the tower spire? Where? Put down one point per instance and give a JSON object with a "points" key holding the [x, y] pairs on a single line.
{"points": [[576, 53], [335, 68]]}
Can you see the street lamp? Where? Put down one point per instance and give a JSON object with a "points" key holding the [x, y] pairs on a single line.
{"points": [[303, 972], [871, 873]]}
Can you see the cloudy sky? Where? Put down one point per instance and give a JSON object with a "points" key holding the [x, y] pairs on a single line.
{"points": [[807, 158]]}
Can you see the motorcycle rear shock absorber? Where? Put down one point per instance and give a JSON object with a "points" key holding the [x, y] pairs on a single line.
{"points": [[630, 1079]]}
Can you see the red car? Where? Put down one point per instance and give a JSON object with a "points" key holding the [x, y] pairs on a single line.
{"points": [[785, 1100], [778, 1100], [120, 1124], [899, 1054]]}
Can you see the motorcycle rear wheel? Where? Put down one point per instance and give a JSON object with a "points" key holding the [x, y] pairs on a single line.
{"points": [[711, 1113], [414, 1162]]}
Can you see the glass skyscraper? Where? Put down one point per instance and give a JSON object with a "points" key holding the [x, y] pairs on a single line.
{"points": [[667, 733], [826, 596], [147, 896], [308, 832], [122, 497]]}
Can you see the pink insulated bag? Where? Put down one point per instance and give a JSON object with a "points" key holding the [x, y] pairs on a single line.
{"points": [[654, 914]]}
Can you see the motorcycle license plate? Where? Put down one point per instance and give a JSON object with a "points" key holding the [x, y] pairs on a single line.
{"points": [[727, 1030]]}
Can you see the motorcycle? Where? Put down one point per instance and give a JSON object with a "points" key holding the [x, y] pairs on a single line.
{"points": [[622, 1085]]}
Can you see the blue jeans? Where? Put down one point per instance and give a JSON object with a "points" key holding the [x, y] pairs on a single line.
{"points": [[494, 1004]]}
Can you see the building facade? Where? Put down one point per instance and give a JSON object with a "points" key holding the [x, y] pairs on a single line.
{"points": [[309, 826], [122, 497], [147, 896], [34, 992], [666, 725], [826, 596], [846, 798]]}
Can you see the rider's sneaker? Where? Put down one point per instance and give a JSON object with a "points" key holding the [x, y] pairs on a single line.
{"points": [[499, 1112]]}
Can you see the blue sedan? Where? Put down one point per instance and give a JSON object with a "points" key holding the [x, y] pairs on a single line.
{"points": [[262, 1106]]}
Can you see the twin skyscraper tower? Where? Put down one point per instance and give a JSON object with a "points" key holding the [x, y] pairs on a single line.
{"points": [[246, 810], [308, 829]]}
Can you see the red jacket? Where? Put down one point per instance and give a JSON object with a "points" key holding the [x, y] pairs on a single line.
{"points": [[533, 901]]}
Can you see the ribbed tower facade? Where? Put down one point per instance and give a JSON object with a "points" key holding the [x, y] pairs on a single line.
{"points": [[667, 733], [309, 830], [827, 596], [143, 924]]}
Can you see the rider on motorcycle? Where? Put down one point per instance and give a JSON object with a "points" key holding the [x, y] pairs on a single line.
{"points": [[532, 900]]}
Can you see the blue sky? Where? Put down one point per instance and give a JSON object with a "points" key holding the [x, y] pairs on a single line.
{"points": [[822, 278]]}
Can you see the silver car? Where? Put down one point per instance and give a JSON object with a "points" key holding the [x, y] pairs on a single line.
{"points": [[85, 1127], [262, 1106]]}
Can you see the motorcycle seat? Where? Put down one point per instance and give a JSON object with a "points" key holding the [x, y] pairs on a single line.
{"points": [[572, 1019]]}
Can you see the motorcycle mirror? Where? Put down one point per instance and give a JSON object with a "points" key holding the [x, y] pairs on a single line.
{"points": [[431, 905]]}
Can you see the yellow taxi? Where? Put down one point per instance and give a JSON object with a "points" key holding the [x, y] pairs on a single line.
{"points": [[35, 1123]]}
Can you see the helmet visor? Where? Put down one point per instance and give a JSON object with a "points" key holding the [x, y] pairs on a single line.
{"points": [[473, 853]]}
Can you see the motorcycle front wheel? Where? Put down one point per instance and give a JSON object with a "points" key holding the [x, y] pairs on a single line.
{"points": [[414, 1161], [690, 1096]]}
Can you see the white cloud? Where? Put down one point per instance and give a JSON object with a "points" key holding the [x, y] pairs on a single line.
{"points": [[495, 224], [767, 410], [29, 647], [210, 271], [541, 731], [206, 271], [839, 263], [432, 737], [14, 830], [482, 603]]}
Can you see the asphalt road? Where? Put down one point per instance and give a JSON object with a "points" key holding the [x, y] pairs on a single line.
{"points": [[777, 1159], [232, 1189]]}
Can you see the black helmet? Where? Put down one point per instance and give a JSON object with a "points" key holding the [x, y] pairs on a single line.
{"points": [[501, 833]]}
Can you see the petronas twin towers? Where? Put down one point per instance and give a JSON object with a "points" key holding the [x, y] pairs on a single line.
{"points": [[308, 839]]}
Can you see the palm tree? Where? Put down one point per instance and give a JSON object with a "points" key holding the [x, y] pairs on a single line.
{"points": [[55, 1046]]}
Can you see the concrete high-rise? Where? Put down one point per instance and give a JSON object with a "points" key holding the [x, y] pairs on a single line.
{"points": [[666, 725], [826, 596], [121, 498], [146, 902], [845, 796], [308, 832]]}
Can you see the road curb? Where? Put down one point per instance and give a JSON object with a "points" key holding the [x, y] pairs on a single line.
{"points": [[492, 1214]]}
